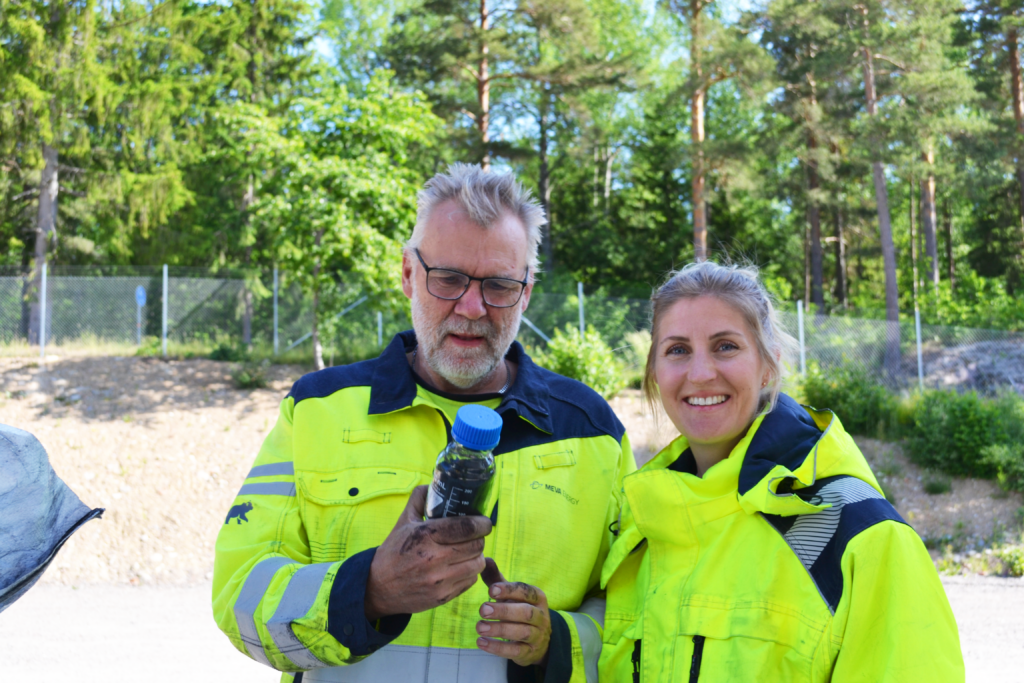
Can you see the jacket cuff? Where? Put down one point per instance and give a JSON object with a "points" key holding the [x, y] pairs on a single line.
{"points": [[346, 610], [559, 666]]}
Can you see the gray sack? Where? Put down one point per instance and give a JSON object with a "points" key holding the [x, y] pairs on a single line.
{"points": [[38, 513]]}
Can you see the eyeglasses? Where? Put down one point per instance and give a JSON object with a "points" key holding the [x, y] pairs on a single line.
{"points": [[499, 292]]}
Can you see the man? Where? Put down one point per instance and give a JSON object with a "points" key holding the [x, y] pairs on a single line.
{"points": [[313, 574]]}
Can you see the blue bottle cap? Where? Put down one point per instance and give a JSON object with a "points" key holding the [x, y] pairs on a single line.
{"points": [[478, 428]]}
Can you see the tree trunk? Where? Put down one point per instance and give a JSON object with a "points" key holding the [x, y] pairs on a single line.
{"points": [[949, 251], [609, 159], [814, 217], [318, 349], [483, 89], [700, 227], [928, 219], [892, 297], [247, 200], [841, 287], [1013, 57], [46, 226], [913, 244], [544, 184], [597, 172]]}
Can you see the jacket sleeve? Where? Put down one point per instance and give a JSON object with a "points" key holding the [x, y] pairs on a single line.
{"points": [[898, 622], [269, 598], [575, 647]]}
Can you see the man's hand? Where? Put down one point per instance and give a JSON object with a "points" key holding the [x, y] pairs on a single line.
{"points": [[520, 616], [423, 564]]}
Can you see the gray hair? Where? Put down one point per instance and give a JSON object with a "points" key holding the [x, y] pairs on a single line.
{"points": [[740, 287], [485, 197]]}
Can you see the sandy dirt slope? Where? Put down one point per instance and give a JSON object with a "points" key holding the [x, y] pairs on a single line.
{"points": [[162, 446]]}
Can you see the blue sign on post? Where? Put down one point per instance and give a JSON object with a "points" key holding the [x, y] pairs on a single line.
{"points": [[140, 301]]}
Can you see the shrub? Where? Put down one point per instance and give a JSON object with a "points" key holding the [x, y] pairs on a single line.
{"points": [[863, 405], [635, 355], [586, 358], [1013, 559], [936, 484], [251, 374], [1008, 462], [951, 430], [227, 352]]}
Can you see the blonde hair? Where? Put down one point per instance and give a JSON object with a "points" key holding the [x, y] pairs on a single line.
{"points": [[485, 197], [740, 287]]}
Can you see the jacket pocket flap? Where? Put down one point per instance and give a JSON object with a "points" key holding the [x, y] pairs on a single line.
{"points": [[356, 486], [562, 459]]}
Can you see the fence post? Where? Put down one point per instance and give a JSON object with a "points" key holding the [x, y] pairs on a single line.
{"points": [[42, 317], [579, 294], [163, 331], [380, 329], [275, 310], [920, 359], [800, 329]]}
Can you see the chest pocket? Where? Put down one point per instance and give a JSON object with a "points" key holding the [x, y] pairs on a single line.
{"points": [[350, 510]]}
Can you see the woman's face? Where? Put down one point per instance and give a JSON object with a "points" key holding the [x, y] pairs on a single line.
{"points": [[708, 371]]}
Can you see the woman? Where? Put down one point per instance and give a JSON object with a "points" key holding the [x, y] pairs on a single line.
{"points": [[758, 545]]}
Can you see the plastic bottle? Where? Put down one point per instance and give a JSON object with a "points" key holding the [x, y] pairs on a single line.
{"points": [[465, 468]]}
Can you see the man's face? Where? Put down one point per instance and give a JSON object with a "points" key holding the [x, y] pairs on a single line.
{"points": [[463, 341]]}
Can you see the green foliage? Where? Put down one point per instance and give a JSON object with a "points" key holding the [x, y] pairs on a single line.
{"points": [[951, 430], [1007, 459], [229, 352], [863, 405], [935, 484], [1013, 559], [251, 374], [586, 358]]}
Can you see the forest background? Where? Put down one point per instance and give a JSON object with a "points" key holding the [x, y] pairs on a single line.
{"points": [[868, 155]]}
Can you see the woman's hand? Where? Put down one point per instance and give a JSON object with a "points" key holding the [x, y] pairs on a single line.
{"points": [[519, 616]]}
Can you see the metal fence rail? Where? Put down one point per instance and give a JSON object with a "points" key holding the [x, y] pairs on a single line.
{"points": [[95, 306]]}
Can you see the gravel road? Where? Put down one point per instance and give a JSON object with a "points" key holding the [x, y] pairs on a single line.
{"points": [[115, 634]]}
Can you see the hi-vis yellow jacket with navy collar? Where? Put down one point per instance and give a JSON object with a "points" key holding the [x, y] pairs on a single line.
{"points": [[784, 563], [330, 482]]}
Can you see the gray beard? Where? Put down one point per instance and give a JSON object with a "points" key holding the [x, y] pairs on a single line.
{"points": [[462, 368]]}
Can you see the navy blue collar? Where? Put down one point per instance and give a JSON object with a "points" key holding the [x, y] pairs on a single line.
{"points": [[393, 386]]}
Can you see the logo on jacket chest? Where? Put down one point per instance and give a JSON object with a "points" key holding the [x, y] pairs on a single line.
{"points": [[536, 485]]}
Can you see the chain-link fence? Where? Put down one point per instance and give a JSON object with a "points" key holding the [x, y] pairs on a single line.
{"points": [[99, 307]]}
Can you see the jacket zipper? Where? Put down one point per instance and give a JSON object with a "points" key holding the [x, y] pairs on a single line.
{"points": [[698, 654], [636, 662]]}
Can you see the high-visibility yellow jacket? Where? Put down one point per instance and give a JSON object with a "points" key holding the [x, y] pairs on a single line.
{"points": [[783, 563], [330, 482]]}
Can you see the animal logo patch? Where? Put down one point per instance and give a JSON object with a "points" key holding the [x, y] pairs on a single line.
{"points": [[237, 512]]}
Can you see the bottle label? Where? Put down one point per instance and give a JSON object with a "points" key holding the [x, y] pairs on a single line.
{"points": [[453, 496]]}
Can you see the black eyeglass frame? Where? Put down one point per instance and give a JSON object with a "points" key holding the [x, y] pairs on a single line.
{"points": [[469, 282]]}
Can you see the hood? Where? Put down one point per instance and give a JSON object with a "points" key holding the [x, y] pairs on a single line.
{"points": [[785, 450], [38, 513]]}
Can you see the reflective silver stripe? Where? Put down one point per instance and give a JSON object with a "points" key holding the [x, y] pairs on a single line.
{"points": [[811, 532], [249, 600], [409, 664], [274, 488], [590, 641], [594, 607], [297, 600], [271, 470]]}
